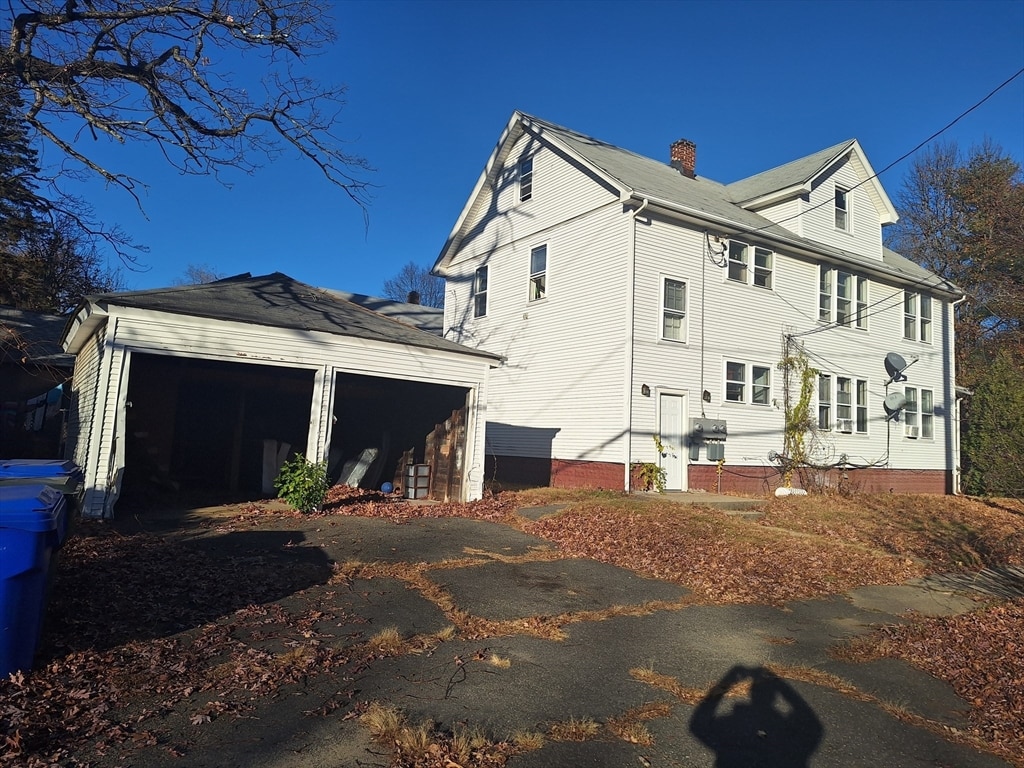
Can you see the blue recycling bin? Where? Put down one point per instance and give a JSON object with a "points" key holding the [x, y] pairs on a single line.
{"points": [[33, 527]]}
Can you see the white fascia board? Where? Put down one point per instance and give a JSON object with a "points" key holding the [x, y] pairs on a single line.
{"points": [[82, 326], [494, 162]]}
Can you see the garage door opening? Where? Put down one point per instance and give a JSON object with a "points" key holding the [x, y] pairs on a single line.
{"points": [[382, 425], [195, 429]]}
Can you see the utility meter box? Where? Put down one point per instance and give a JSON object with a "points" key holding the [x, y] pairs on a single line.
{"points": [[712, 434], [708, 429]]}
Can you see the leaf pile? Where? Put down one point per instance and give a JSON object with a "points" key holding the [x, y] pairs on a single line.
{"points": [[980, 654], [721, 559]]}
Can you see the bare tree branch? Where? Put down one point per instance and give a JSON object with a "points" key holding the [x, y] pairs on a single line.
{"points": [[165, 72]]}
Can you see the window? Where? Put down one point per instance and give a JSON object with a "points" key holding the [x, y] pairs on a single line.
{"points": [[673, 312], [740, 266], [862, 405], [824, 401], [919, 413], [737, 261], [763, 268], [844, 398], [525, 179], [825, 294], [762, 384], [736, 383], [917, 317], [538, 272], [480, 292], [842, 209], [843, 295]]}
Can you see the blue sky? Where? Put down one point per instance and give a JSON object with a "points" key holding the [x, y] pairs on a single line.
{"points": [[432, 85]]}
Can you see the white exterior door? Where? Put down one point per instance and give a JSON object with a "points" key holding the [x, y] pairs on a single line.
{"points": [[672, 416]]}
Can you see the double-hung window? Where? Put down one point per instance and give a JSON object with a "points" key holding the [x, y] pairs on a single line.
{"points": [[738, 261], [480, 292], [862, 406], [741, 270], [525, 176], [843, 295], [919, 412], [824, 401], [844, 399], [754, 391], [843, 209], [538, 272], [673, 310], [917, 316]]}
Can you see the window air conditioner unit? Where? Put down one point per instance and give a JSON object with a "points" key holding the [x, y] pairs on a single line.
{"points": [[913, 432], [844, 425]]}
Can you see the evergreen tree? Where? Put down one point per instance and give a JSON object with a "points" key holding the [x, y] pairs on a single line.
{"points": [[993, 459], [20, 204]]}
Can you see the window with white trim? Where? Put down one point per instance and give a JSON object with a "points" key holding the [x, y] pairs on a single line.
{"points": [[824, 401], [524, 174], [739, 264], [842, 209], [538, 272], [917, 316], [862, 406], [738, 261], [673, 310], [842, 295], [480, 292], [844, 398], [756, 390], [919, 413]]}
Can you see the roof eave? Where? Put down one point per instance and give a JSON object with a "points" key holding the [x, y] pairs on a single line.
{"points": [[777, 196]]}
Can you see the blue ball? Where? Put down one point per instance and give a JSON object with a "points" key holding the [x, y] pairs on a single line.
{"points": [[387, 488]]}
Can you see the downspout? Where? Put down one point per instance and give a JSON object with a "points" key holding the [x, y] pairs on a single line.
{"points": [[630, 304], [956, 398]]}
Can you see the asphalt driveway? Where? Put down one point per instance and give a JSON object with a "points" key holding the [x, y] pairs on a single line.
{"points": [[571, 641]]}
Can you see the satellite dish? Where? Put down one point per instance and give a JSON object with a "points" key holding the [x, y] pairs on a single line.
{"points": [[894, 366], [893, 404]]}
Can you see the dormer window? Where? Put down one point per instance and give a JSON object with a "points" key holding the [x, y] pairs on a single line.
{"points": [[525, 175], [843, 209]]}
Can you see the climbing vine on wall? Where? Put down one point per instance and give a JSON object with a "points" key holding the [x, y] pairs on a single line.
{"points": [[798, 380]]}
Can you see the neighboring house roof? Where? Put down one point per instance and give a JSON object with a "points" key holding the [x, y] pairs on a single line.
{"points": [[635, 177], [430, 319], [32, 337], [275, 301]]}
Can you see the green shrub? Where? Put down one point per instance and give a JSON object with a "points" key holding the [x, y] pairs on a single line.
{"points": [[302, 484]]}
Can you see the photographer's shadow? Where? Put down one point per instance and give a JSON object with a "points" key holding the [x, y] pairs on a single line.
{"points": [[774, 727]]}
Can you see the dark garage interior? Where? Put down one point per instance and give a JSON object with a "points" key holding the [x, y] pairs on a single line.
{"points": [[196, 429]]}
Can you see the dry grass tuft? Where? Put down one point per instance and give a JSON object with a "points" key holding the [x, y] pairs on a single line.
{"points": [[498, 661], [669, 684], [574, 730], [630, 727], [528, 741], [387, 642], [383, 722]]}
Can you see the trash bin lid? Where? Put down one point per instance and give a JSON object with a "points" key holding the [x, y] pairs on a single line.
{"points": [[28, 468], [30, 507]]}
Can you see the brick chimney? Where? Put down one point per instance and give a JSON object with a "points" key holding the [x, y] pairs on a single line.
{"points": [[414, 297], [683, 157]]}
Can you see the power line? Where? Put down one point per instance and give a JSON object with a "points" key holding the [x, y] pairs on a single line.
{"points": [[904, 156]]}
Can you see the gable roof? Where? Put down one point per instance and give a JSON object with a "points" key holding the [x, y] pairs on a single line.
{"points": [[430, 319], [639, 178], [275, 301]]}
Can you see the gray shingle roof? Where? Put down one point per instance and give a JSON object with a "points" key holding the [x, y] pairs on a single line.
{"points": [[646, 178], [278, 301], [32, 337]]}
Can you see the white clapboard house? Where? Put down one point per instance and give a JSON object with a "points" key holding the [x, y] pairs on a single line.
{"points": [[642, 311]]}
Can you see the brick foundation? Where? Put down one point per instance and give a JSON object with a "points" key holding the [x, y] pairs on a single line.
{"points": [[522, 472]]}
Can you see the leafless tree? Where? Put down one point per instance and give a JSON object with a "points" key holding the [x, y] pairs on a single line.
{"points": [[165, 71], [412, 278], [197, 274]]}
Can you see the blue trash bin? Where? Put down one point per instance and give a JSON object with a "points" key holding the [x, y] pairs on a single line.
{"points": [[33, 527], [64, 475]]}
